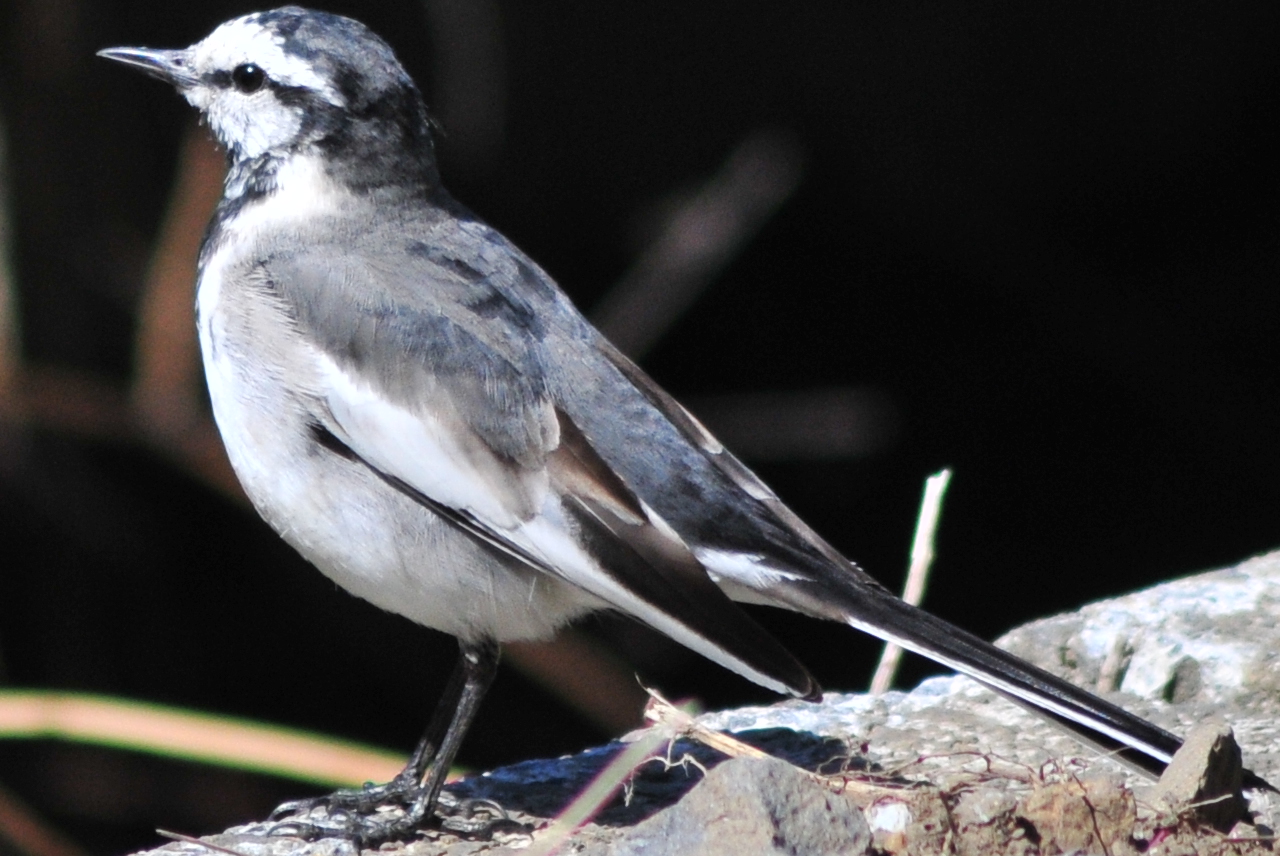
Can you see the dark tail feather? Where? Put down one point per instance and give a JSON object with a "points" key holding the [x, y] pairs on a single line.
{"points": [[1142, 745], [1125, 754], [876, 611], [884, 615], [1135, 759]]}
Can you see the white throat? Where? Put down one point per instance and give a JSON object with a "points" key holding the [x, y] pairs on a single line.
{"points": [[301, 189]]}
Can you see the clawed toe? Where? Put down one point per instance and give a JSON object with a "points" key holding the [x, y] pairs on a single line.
{"points": [[303, 806], [381, 813], [305, 831], [366, 800], [477, 818], [363, 830]]}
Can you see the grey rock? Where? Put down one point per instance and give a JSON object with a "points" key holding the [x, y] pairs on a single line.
{"points": [[985, 821], [748, 806], [541, 789], [1180, 654], [1220, 631], [1205, 777]]}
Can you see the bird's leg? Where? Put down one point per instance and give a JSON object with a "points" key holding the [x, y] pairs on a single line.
{"points": [[476, 669], [417, 788]]}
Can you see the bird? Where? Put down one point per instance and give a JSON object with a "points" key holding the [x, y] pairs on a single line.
{"points": [[420, 411]]}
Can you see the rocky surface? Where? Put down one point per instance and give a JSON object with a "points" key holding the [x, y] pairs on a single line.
{"points": [[748, 806], [1205, 776], [948, 767]]}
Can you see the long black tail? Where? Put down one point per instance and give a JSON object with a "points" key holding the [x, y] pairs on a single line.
{"points": [[1122, 752], [1095, 721]]}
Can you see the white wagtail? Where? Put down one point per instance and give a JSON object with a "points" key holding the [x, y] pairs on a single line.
{"points": [[420, 411]]}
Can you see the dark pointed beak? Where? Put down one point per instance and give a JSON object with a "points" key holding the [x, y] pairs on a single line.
{"points": [[171, 66]]}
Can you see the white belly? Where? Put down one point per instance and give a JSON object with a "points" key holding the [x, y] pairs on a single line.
{"points": [[368, 537]]}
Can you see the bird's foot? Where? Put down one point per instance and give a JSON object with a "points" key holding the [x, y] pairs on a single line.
{"points": [[400, 791], [392, 812]]}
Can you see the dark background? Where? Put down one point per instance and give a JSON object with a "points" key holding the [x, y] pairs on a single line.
{"points": [[1046, 236]]}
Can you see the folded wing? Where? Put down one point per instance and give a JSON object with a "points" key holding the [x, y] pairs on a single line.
{"points": [[482, 443]]}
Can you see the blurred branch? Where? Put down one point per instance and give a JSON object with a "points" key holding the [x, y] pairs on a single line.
{"points": [[700, 238], [165, 393], [77, 402], [74, 402], [163, 407], [21, 827], [695, 242], [175, 733], [576, 668], [815, 424], [10, 334]]}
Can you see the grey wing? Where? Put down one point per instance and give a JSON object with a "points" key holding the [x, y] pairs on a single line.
{"points": [[418, 322], [434, 375]]}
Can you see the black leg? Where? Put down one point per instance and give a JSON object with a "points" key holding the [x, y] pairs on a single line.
{"points": [[472, 676], [417, 787]]}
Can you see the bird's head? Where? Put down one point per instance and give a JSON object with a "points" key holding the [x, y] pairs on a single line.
{"points": [[281, 82]]}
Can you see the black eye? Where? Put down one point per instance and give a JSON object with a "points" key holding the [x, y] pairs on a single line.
{"points": [[247, 77]]}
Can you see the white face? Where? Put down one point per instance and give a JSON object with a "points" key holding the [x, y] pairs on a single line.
{"points": [[254, 122]]}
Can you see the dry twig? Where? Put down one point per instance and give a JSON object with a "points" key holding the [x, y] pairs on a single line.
{"points": [[921, 561]]}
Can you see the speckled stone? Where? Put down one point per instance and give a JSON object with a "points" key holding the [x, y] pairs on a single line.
{"points": [[1181, 653]]}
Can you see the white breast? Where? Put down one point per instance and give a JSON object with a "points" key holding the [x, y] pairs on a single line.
{"points": [[366, 536]]}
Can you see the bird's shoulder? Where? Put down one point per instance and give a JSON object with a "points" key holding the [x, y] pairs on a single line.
{"points": [[430, 310]]}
